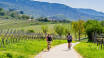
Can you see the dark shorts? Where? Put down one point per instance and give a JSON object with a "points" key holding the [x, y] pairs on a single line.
{"points": [[69, 41]]}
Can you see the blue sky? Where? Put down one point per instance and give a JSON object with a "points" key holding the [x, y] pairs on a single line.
{"points": [[92, 4]]}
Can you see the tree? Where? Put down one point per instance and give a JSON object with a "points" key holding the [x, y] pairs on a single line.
{"points": [[13, 14], [75, 28], [21, 12], [1, 9], [25, 17], [102, 24], [59, 29], [80, 27], [2, 13], [43, 19], [92, 27], [67, 29], [44, 29]]}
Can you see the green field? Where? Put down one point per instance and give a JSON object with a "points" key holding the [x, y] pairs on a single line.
{"points": [[27, 25], [26, 49], [89, 50]]}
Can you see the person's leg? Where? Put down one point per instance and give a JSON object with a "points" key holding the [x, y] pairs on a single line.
{"points": [[48, 45], [68, 45]]}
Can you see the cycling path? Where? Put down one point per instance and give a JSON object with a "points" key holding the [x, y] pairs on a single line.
{"points": [[60, 51]]}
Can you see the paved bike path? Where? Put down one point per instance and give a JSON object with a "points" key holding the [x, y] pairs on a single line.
{"points": [[60, 51]]}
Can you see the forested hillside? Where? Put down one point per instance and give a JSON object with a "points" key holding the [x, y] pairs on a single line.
{"points": [[45, 9]]}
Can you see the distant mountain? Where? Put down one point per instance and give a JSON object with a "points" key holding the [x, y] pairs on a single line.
{"points": [[45, 9]]}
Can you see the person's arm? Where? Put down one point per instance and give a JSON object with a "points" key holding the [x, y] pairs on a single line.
{"points": [[46, 38]]}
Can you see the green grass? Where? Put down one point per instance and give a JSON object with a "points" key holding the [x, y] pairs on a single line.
{"points": [[26, 49], [89, 50]]}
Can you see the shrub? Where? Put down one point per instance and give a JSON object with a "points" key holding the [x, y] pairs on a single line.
{"points": [[9, 55], [30, 31]]}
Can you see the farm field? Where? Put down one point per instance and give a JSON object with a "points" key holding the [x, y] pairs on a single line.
{"points": [[25, 25], [10, 24], [38, 28]]}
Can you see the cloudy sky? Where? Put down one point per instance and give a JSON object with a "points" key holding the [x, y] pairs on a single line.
{"points": [[92, 4]]}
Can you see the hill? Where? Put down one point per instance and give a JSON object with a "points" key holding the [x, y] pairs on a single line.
{"points": [[45, 9]]}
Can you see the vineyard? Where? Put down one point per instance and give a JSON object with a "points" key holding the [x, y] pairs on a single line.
{"points": [[17, 43], [13, 36]]}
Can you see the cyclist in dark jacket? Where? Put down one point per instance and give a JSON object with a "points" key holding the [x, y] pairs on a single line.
{"points": [[49, 40], [69, 40]]}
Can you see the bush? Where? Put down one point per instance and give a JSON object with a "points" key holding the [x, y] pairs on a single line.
{"points": [[42, 19], [25, 17], [30, 31], [9, 55]]}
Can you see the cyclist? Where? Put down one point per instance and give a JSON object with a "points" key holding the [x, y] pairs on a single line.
{"points": [[69, 40], [49, 40]]}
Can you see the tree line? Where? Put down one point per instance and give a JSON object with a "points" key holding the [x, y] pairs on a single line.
{"points": [[45, 19], [13, 14], [91, 28]]}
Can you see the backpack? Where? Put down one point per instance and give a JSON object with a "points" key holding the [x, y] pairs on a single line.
{"points": [[49, 38], [69, 37]]}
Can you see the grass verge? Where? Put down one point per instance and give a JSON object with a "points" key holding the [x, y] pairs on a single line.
{"points": [[89, 50], [26, 49]]}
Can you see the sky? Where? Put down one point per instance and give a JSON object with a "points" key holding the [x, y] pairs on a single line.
{"points": [[90, 4]]}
